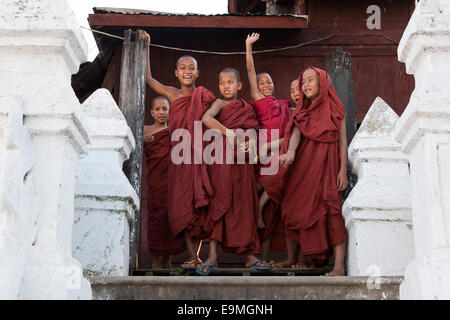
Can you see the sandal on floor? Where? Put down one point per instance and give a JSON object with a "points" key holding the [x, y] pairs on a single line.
{"points": [[190, 264], [210, 267], [255, 266]]}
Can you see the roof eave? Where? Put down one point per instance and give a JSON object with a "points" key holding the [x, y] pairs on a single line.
{"points": [[198, 21]]}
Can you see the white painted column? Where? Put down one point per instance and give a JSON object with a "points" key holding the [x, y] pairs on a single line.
{"points": [[41, 46], [105, 201], [424, 133], [18, 204], [377, 212]]}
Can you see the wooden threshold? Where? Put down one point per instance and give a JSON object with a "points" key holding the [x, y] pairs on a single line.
{"points": [[236, 272]]}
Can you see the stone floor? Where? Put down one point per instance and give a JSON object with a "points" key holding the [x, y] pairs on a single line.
{"points": [[245, 287]]}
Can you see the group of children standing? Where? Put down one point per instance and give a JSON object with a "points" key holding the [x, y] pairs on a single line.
{"points": [[233, 205]]}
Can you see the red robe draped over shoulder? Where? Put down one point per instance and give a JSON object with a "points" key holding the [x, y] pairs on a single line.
{"points": [[159, 238], [307, 189], [272, 114], [233, 211], [189, 185]]}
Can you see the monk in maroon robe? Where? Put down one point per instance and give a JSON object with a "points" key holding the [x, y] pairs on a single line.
{"points": [[313, 175], [188, 182], [232, 215], [156, 151], [272, 114]]}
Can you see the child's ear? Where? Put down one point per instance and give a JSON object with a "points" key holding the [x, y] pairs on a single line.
{"points": [[240, 85], [176, 73]]}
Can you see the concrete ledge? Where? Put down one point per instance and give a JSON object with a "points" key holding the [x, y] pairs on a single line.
{"points": [[245, 288]]}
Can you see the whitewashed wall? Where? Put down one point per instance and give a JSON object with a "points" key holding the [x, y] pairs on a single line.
{"points": [[105, 201], [424, 133], [42, 134], [377, 212]]}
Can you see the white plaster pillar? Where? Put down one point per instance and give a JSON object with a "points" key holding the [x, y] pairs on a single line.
{"points": [[18, 205], [41, 46], [424, 133], [377, 212], [105, 201]]}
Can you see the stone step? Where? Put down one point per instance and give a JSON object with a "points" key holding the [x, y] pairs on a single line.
{"points": [[245, 288]]}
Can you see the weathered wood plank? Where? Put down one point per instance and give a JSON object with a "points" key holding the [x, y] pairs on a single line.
{"points": [[289, 272], [338, 65], [132, 105], [228, 22]]}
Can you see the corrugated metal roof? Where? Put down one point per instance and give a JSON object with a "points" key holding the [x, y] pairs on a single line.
{"points": [[106, 10]]}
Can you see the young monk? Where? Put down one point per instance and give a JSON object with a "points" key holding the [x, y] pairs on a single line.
{"points": [[233, 210], [188, 183], [294, 94], [156, 149], [271, 114], [309, 187]]}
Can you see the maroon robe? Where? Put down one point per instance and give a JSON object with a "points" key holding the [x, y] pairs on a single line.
{"points": [[307, 189], [233, 211], [272, 114], [189, 185], [159, 238]]}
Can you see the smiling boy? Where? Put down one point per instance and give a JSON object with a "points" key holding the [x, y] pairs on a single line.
{"points": [[233, 210], [188, 183]]}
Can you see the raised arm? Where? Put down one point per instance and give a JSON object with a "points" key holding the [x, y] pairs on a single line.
{"points": [[255, 93], [166, 91]]}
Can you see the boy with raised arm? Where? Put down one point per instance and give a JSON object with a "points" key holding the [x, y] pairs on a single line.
{"points": [[233, 210], [272, 114], [188, 183]]}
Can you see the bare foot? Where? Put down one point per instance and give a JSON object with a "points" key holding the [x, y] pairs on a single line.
{"points": [[283, 264], [335, 273], [256, 263], [207, 264]]}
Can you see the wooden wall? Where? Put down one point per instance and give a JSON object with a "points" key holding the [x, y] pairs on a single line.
{"points": [[376, 70]]}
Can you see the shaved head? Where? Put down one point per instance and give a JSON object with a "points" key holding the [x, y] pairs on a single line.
{"points": [[263, 74], [187, 58], [232, 70], [157, 99]]}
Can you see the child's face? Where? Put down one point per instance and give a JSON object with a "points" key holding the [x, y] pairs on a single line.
{"points": [[187, 71], [229, 85], [294, 91], [265, 84], [160, 111], [310, 84]]}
